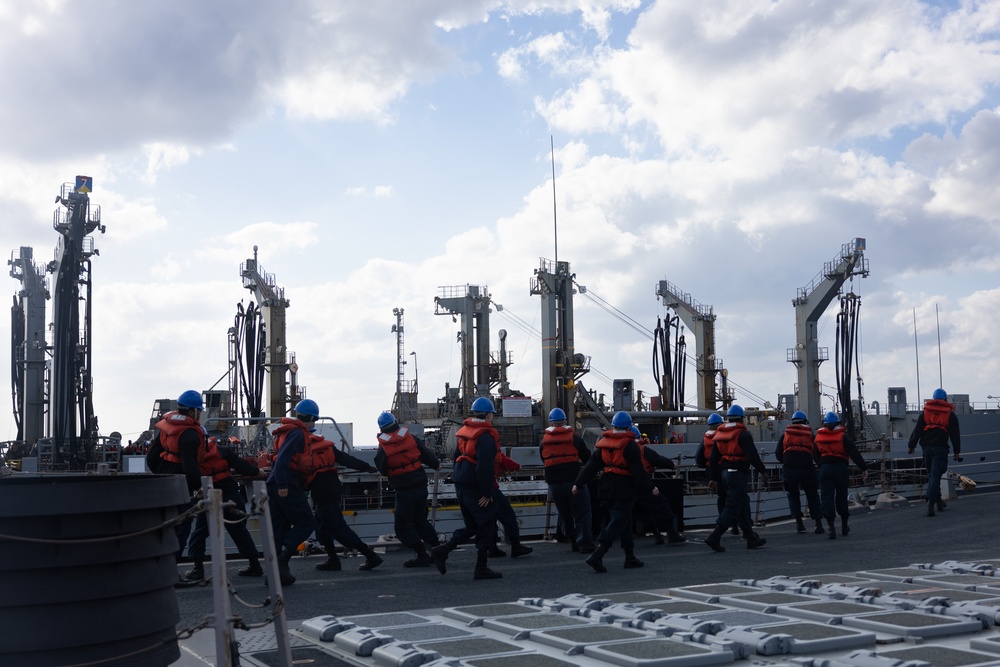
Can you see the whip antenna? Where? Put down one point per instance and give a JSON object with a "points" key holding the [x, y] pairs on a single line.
{"points": [[555, 224]]}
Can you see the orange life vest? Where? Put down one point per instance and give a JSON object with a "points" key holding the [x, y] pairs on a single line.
{"points": [[707, 445], [936, 413], [300, 463], [210, 461], [798, 438], [401, 452], [558, 446], [612, 444], [171, 427], [830, 442], [650, 468], [726, 440], [321, 457], [468, 436]]}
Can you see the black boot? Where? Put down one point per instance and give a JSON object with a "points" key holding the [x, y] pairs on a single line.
{"points": [[755, 541], [715, 539], [657, 536], [372, 559], [941, 505], [483, 570], [736, 529], [423, 559], [799, 526], [332, 562], [284, 571], [844, 528], [497, 552], [930, 508], [833, 529], [631, 562], [819, 527], [196, 573], [253, 569], [596, 559], [439, 555], [517, 549], [673, 537]]}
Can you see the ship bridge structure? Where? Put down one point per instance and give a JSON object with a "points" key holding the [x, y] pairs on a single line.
{"points": [[810, 303]]}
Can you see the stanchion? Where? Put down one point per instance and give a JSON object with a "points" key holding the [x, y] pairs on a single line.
{"points": [[223, 621], [273, 580]]}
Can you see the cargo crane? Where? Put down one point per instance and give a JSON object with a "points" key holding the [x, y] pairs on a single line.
{"points": [[62, 385], [562, 366], [810, 303], [700, 319], [471, 304], [272, 304]]}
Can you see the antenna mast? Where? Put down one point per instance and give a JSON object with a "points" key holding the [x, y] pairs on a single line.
{"points": [[555, 224]]}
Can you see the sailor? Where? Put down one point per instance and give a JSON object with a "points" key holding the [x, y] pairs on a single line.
{"points": [[936, 425], [833, 449], [657, 505], [563, 452], [326, 491], [475, 482], [798, 472], [505, 512], [735, 452], [401, 457], [703, 456], [218, 463], [291, 516], [623, 479], [174, 451]]}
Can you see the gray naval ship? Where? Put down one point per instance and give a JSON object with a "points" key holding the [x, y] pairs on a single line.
{"points": [[901, 590]]}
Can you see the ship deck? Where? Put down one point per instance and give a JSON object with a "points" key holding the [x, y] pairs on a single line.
{"points": [[937, 603]]}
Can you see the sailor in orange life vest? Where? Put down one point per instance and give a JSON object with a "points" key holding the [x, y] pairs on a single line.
{"points": [[563, 452], [475, 483], [703, 456], [217, 463], [175, 450], [935, 426], [401, 457], [657, 505], [624, 478], [323, 485], [794, 451], [291, 516], [735, 452], [505, 513], [833, 449]]}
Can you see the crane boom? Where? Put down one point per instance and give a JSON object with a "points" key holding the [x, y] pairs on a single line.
{"points": [[810, 303], [273, 304]]}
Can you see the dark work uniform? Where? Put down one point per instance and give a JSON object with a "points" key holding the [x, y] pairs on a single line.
{"points": [[621, 482], [475, 478], [291, 516], [327, 493], [561, 470], [732, 458], [188, 441], [657, 505], [237, 529], [933, 436], [833, 450], [410, 512], [795, 451]]}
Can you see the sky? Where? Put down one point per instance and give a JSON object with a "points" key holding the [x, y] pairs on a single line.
{"points": [[375, 151]]}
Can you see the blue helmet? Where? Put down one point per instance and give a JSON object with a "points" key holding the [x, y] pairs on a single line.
{"points": [[714, 418], [307, 407], [557, 415], [940, 394], [636, 432], [386, 419], [622, 420], [191, 399], [831, 418], [483, 404], [798, 415], [735, 411]]}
